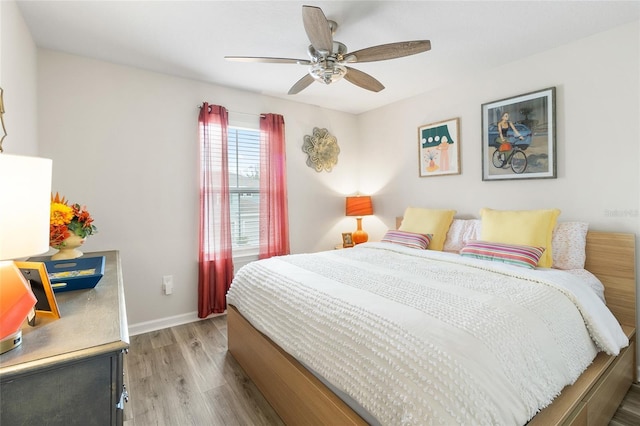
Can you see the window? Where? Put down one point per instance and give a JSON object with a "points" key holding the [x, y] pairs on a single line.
{"points": [[244, 189]]}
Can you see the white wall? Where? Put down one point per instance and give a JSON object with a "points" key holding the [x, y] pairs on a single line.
{"points": [[124, 142], [18, 70], [598, 149]]}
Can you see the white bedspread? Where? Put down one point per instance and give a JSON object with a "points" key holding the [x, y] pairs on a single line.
{"points": [[423, 337]]}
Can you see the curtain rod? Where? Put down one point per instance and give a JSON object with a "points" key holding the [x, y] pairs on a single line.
{"points": [[238, 112]]}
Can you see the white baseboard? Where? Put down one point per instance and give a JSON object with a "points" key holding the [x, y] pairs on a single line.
{"points": [[159, 324]]}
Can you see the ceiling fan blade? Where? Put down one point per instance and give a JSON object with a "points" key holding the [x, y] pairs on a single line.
{"points": [[301, 84], [363, 80], [269, 60], [317, 27], [388, 51]]}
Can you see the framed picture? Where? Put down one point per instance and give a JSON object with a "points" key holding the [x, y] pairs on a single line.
{"points": [[519, 137], [347, 239], [439, 148], [36, 274]]}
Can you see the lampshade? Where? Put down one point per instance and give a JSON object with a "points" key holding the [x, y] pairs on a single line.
{"points": [[25, 203], [359, 206]]}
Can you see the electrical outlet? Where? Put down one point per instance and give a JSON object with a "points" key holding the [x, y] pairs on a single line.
{"points": [[167, 284]]}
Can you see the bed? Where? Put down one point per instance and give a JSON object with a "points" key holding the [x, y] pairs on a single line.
{"points": [[302, 395]]}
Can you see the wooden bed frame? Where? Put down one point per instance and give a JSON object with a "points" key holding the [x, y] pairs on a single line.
{"points": [[300, 398]]}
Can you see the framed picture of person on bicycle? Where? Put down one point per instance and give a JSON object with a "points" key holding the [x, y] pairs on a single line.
{"points": [[519, 137]]}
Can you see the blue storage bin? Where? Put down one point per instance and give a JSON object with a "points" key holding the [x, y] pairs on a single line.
{"points": [[75, 274]]}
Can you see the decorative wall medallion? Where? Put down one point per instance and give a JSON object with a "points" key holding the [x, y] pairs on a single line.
{"points": [[322, 150]]}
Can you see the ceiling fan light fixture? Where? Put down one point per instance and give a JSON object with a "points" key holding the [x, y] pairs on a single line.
{"points": [[328, 58], [328, 72]]}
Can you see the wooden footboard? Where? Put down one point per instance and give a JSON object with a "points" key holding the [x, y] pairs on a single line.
{"points": [[300, 398]]}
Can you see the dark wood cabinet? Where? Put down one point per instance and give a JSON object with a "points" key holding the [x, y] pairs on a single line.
{"points": [[69, 371]]}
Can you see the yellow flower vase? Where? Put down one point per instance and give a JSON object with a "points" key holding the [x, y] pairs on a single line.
{"points": [[69, 248]]}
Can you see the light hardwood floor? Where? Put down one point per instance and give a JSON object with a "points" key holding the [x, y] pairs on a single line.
{"points": [[628, 413], [184, 375]]}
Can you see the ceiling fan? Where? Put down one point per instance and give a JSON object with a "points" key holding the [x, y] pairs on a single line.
{"points": [[329, 58]]}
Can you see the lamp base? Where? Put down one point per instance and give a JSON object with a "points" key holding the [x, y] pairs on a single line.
{"points": [[359, 236], [10, 342]]}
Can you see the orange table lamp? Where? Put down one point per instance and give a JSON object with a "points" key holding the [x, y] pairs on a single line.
{"points": [[359, 206]]}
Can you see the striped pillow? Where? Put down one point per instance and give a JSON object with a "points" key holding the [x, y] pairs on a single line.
{"points": [[512, 254], [408, 239]]}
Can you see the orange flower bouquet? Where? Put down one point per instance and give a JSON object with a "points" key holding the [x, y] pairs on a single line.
{"points": [[67, 220]]}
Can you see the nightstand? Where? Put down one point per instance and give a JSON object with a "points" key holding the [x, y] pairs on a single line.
{"points": [[69, 371]]}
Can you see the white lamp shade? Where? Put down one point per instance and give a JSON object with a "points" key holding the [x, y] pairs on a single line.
{"points": [[25, 204]]}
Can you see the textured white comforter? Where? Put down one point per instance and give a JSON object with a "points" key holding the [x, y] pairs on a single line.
{"points": [[423, 337]]}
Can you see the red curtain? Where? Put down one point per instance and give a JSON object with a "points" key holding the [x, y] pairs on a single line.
{"points": [[215, 261], [274, 217]]}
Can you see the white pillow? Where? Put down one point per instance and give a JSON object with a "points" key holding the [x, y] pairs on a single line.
{"points": [[460, 233], [569, 242]]}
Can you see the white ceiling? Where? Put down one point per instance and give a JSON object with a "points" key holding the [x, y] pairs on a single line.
{"points": [[190, 39]]}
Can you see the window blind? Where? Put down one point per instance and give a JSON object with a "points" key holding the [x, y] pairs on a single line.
{"points": [[244, 189]]}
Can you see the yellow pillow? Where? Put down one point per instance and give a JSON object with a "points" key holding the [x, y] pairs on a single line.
{"points": [[428, 221], [526, 227]]}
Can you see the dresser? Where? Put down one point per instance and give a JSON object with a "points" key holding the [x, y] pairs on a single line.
{"points": [[69, 371]]}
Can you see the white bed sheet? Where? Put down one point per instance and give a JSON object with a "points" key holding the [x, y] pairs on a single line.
{"points": [[423, 337]]}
